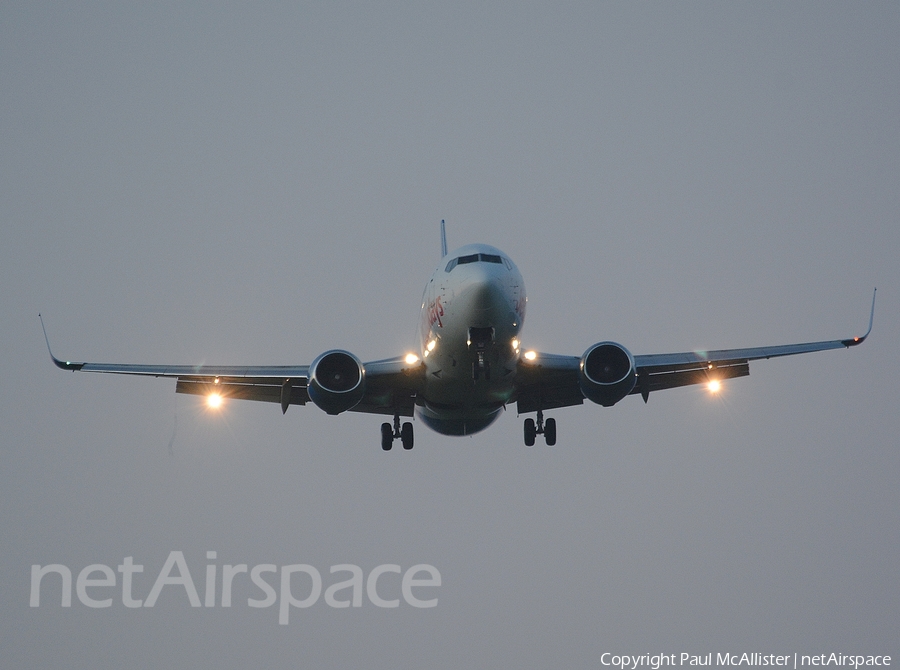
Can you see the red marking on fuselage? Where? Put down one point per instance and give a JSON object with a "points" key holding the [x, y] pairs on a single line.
{"points": [[435, 312]]}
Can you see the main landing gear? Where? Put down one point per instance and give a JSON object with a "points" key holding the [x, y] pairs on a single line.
{"points": [[548, 430], [389, 434]]}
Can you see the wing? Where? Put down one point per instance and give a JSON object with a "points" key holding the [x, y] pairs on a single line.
{"points": [[391, 384], [550, 380]]}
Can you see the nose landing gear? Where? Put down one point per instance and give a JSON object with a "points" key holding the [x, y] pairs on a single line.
{"points": [[480, 342], [389, 434], [548, 430]]}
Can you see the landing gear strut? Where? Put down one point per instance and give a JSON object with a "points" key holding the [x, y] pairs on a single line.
{"points": [[480, 342], [548, 430], [390, 433], [481, 366]]}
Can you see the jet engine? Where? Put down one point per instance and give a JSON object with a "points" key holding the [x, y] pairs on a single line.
{"points": [[607, 373], [337, 381]]}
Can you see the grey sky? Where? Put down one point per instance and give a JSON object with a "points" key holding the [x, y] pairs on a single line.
{"points": [[230, 184]]}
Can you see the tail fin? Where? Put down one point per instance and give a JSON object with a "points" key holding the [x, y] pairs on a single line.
{"points": [[443, 240]]}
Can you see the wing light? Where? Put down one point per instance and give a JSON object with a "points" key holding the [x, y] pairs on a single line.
{"points": [[530, 355], [214, 400], [714, 386], [411, 359]]}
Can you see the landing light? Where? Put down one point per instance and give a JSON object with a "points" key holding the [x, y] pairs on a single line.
{"points": [[411, 359], [714, 386], [530, 355], [214, 400]]}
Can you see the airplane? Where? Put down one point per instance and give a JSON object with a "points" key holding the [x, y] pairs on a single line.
{"points": [[471, 363]]}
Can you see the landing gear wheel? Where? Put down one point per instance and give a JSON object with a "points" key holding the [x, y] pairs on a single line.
{"points": [[387, 436], [550, 432], [530, 432], [406, 436]]}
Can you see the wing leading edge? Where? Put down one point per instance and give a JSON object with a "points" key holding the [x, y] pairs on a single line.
{"points": [[551, 381]]}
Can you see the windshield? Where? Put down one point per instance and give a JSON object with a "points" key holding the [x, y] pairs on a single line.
{"points": [[474, 258]]}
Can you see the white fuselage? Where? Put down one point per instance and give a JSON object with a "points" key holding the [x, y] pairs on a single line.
{"points": [[472, 311]]}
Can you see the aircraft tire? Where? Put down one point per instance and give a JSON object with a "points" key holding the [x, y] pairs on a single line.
{"points": [[406, 436], [530, 432], [387, 436], [550, 432]]}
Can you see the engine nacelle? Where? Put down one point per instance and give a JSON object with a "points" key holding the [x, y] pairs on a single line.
{"points": [[607, 373], [337, 381]]}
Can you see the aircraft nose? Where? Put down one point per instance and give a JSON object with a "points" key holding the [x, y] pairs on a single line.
{"points": [[485, 294]]}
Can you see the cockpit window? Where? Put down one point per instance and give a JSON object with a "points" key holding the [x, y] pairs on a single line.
{"points": [[473, 258]]}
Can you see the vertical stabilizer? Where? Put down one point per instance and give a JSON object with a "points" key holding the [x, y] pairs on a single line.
{"points": [[443, 239]]}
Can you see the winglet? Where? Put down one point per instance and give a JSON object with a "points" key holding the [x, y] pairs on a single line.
{"points": [[64, 365], [443, 240], [859, 340]]}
